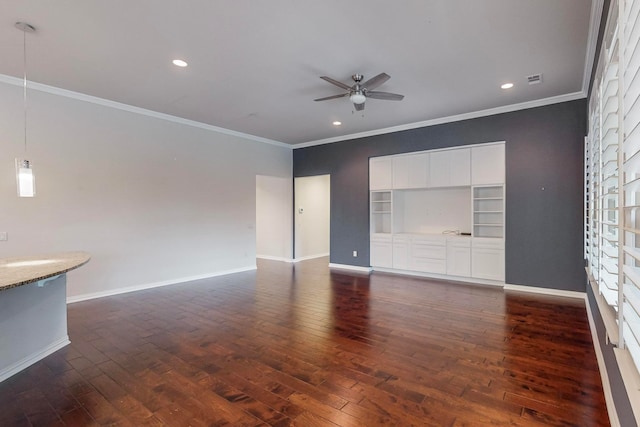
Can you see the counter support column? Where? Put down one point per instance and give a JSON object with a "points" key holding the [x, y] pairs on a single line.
{"points": [[33, 324]]}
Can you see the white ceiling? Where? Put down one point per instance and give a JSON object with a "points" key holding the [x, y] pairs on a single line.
{"points": [[254, 65]]}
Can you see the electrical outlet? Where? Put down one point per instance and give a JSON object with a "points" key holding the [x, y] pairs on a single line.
{"points": [[4, 236], [355, 253]]}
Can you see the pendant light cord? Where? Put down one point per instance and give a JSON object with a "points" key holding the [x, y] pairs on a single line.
{"points": [[24, 58]]}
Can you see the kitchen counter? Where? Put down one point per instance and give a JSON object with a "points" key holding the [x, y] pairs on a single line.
{"points": [[33, 308], [16, 272]]}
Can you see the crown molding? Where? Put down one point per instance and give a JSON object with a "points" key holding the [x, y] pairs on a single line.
{"points": [[597, 7], [162, 116], [136, 110], [449, 119]]}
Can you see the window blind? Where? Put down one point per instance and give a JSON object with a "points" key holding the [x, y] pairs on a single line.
{"points": [[602, 178], [629, 297]]}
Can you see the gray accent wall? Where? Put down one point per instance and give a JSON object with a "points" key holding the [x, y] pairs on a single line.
{"points": [[544, 187]]}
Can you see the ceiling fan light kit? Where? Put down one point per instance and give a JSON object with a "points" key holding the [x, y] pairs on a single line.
{"points": [[358, 98], [359, 92]]}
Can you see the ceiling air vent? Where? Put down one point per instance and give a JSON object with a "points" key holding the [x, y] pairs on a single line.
{"points": [[534, 79]]}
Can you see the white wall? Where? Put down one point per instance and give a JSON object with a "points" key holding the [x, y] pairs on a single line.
{"points": [[432, 211], [153, 201], [312, 194], [274, 229]]}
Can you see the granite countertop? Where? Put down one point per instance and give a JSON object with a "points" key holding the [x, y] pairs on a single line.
{"points": [[19, 271]]}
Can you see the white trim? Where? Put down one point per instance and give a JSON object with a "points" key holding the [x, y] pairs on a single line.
{"points": [[607, 313], [455, 147], [445, 277], [162, 116], [304, 258], [604, 375], [111, 292], [274, 258], [630, 378], [350, 268], [456, 118], [592, 43], [137, 110], [545, 291], [33, 358]]}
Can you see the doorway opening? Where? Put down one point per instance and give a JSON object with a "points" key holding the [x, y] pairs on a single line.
{"points": [[274, 230], [312, 196]]}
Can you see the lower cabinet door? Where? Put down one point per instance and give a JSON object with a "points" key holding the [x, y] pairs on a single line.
{"points": [[401, 254], [487, 263], [429, 265], [381, 253], [459, 260]]}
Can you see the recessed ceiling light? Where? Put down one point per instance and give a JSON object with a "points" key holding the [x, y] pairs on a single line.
{"points": [[179, 63], [507, 86], [337, 123]]}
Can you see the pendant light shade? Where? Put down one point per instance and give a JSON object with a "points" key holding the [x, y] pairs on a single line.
{"points": [[24, 173], [25, 179]]}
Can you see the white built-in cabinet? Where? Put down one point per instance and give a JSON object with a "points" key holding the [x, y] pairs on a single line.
{"points": [[422, 204], [487, 165], [400, 253], [380, 173], [450, 168], [381, 251], [459, 257], [487, 259], [410, 171]]}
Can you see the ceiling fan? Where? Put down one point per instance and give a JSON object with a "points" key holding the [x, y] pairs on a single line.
{"points": [[359, 92]]}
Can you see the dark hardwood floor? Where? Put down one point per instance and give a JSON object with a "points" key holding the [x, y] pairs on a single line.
{"points": [[300, 345]]}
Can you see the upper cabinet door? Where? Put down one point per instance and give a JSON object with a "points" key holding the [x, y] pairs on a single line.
{"points": [[439, 169], [411, 171], [450, 168], [380, 173], [460, 167], [487, 165]]}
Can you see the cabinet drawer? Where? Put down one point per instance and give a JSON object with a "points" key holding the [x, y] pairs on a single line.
{"points": [[421, 250], [459, 243], [428, 265], [497, 244]]}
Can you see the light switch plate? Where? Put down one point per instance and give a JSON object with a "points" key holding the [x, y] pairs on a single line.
{"points": [[4, 236]]}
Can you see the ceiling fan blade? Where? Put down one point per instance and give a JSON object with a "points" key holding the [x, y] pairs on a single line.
{"points": [[376, 81], [385, 95], [332, 97], [335, 82], [359, 107]]}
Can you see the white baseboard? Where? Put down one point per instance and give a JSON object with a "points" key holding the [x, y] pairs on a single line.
{"points": [[111, 292], [545, 291], [304, 258], [604, 376], [350, 267], [275, 258], [24, 363]]}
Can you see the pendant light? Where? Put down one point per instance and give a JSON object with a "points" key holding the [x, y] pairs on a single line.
{"points": [[24, 172]]}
